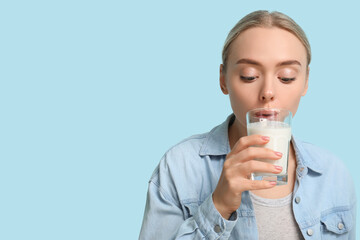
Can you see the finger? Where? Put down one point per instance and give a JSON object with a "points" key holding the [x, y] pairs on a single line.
{"points": [[252, 153], [247, 141], [257, 166], [244, 170], [259, 184]]}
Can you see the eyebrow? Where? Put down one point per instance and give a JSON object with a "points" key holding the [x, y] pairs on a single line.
{"points": [[253, 62]]}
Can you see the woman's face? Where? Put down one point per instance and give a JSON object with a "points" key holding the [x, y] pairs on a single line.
{"points": [[266, 67]]}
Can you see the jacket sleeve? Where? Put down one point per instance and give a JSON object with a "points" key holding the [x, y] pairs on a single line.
{"points": [[352, 234], [165, 218]]}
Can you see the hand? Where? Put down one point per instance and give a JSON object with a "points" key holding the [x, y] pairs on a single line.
{"points": [[238, 166]]}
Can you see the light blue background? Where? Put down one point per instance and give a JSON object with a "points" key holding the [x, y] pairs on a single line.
{"points": [[94, 92]]}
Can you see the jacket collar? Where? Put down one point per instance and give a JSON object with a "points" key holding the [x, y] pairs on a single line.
{"points": [[306, 158], [217, 143]]}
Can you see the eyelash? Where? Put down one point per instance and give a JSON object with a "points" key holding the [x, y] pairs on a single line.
{"points": [[250, 79], [287, 80]]}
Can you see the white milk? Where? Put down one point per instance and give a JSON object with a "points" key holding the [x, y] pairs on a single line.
{"points": [[280, 136]]}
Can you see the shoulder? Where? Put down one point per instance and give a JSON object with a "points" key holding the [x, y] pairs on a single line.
{"points": [[181, 156], [188, 146], [323, 158], [184, 152], [179, 172], [317, 151], [194, 151]]}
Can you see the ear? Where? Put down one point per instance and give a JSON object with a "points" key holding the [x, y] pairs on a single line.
{"points": [[223, 80], [307, 82]]}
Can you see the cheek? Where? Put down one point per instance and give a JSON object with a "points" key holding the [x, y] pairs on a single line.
{"points": [[240, 94], [242, 98], [292, 99]]}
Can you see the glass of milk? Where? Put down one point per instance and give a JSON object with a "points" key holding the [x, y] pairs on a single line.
{"points": [[276, 124]]}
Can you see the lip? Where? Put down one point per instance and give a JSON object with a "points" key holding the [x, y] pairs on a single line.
{"points": [[267, 114]]}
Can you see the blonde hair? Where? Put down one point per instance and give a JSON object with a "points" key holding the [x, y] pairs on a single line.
{"points": [[266, 19]]}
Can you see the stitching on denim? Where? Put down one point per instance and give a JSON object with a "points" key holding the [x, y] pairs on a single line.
{"points": [[165, 194], [335, 210]]}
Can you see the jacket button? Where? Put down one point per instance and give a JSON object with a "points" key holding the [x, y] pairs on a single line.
{"points": [[217, 229], [340, 226], [310, 232], [297, 200]]}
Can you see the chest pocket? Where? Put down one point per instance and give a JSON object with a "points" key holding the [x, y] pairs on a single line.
{"points": [[336, 224]]}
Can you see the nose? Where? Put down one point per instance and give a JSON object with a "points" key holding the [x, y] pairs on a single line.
{"points": [[267, 96], [267, 93]]}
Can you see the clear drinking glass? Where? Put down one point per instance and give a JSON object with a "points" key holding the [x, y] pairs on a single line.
{"points": [[276, 124]]}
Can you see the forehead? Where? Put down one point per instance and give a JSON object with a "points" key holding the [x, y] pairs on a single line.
{"points": [[267, 45]]}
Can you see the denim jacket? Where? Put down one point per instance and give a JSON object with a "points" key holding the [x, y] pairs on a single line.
{"points": [[179, 200]]}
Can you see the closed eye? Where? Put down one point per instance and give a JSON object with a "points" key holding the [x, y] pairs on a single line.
{"points": [[248, 79], [286, 80]]}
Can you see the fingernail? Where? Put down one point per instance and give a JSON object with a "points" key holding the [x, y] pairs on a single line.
{"points": [[278, 154], [279, 168], [265, 138], [272, 183]]}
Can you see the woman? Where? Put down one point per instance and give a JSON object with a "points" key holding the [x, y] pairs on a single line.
{"points": [[201, 188]]}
